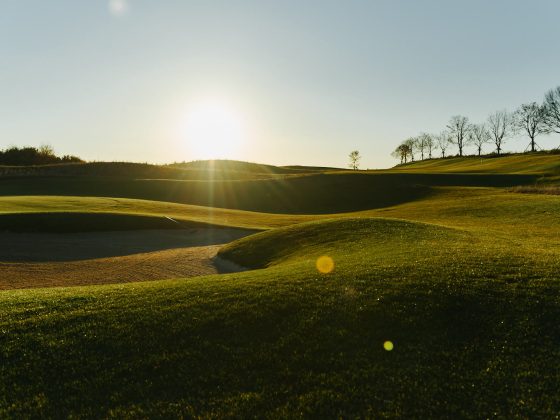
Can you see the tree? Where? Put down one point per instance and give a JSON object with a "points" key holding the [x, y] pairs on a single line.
{"points": [[401, 152], [500, 126], [429, 143], [443, 141], [552, 110], [411, 144], [46, 150], [479, 136], [354, 157], [458, 127], [532, 119], [420, 143]]}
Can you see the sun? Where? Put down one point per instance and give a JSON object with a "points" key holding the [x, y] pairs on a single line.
{"points": [[213, 130]]}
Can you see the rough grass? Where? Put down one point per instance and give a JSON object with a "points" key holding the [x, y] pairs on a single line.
{"points": [[537, 189]]}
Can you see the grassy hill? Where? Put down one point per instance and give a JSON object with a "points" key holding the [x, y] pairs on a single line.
{"points": [[307, 194], [532, 163], [457, 272]]}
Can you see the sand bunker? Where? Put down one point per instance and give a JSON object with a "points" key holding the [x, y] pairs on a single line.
{"points": [[46, 260]]}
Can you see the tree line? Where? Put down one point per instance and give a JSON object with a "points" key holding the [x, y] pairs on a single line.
{"points": [[44, 155], [532, 119]]}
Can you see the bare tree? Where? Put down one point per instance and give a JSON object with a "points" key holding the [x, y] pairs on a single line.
{"points": [[552, 110], [500, 126], [46, 150], [531, 118], [443, 141], [479, 136], [430, 143], [420, 145], [424, 144], [459, 127], [354, 157]]}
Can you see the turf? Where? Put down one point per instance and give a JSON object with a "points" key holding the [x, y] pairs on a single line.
{"points": [[462, 279], [474, 333], [335, 192], [529, 163]]}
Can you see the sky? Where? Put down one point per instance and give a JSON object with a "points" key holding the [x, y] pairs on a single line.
{"points": [[280, 82]]}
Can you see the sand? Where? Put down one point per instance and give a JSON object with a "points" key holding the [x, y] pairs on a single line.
{"points": [[30, 260]]}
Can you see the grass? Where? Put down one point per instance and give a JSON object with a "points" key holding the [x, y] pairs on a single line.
{"points": [[462, 278], [336, 192], [66, 222], [474, 333], [529, 163]]}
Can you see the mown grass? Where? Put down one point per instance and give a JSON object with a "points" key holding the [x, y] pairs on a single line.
{"points": [[310, 194], [473, 322], [467, 289], [528, 163], [199, 170]]}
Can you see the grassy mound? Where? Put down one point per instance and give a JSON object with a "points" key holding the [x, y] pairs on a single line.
{"points": [[310, 241], [473, 321], [202, 170], [232, 166]]}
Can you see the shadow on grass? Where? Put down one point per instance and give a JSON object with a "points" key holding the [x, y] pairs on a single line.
{"points": [[312, 194], [42, 237]]}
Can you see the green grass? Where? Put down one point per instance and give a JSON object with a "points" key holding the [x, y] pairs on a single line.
{"points": [[462, 277], [531, 163], [473, 322], [335, 192]]}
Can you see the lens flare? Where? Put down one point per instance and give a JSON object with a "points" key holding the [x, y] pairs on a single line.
{"points": [[325, 264]]}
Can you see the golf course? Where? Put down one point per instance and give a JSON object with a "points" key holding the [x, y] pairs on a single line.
{"points": [[224, 289]]}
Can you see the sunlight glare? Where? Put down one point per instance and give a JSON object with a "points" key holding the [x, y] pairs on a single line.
{"points": [[213, 130]]}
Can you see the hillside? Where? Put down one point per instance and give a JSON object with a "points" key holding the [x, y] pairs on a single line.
{"points": [[323, 193], [198, 170], [533, 163]]}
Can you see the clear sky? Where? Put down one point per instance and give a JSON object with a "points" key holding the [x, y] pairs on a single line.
{"points": [[281, 82]]}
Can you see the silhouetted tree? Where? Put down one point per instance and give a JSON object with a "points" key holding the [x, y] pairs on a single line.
{"points": [[420, 144], [401, 152], [552, 110], [479, 136], [32, 156], [500, 126], [411, 145], [429, 142], [531, 118], [354, 157], [47, 151], [458, 127], [443, 141]]}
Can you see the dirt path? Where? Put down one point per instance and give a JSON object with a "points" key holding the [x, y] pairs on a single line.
{"points": [[47, 260]]}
